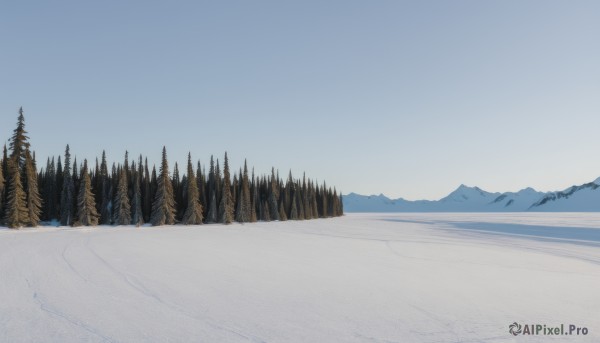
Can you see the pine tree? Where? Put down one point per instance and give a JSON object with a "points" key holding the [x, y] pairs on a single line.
{"points": [[4, 192], [1, 192], [18, 142], [243, 213], [34, 201], [282, 215], [163, 208], [266, 216], [76, 181], [5, 161], [16, 207], [200, 179], [193, 212], [293, 209], [324, 203], [87, 215], [99, 183], [147, 193], [50, 193], [226, 205], [137, 218], [234, 191], [106, 190], [305, 202], [218, 185], [128, 183], [314, 203], [211, 216], [122, 208], [67, 211], [59, 186], [177, 192], [274, 197], [153, 187], [254, 203], [212, 212]]}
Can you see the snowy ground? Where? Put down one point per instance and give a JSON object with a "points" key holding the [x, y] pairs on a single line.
{"points": [[360, 278]]}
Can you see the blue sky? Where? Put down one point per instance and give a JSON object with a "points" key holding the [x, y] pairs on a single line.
{"points": [[403, 98]]}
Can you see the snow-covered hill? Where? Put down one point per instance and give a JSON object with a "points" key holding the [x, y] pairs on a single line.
{"points": [[583, 198]]}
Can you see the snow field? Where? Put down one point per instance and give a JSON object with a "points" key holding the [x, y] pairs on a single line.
{"points": [[359, 278]]}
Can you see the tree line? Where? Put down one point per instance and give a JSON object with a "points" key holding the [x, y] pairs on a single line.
{"points": [[129, 193]]}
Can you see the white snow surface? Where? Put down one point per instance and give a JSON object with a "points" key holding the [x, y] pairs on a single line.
{"points": [[435, 277]]}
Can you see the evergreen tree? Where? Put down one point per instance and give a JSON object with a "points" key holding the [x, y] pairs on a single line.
{"points": [[16, 207], [314, 204], [59, 187], [122, 209], [34, 201], [163, 208], [153, 187], [293, 209], [211, 216], [18, 142], [305, 199], [87, 214], [274, 197], [137, 217], [282, 215], [1, 192], [200, 178], [234, 191], [244, 211], [6, 178], [177, 192], [5, 161], [324, 202], [146, 193], [106, 192], [193, 212], [266, 216], [218, 185], [67, 211], [254, 203], [50, 191], [76, 180], [226, 205], [126, 167], [212, 212], [98, 182]]}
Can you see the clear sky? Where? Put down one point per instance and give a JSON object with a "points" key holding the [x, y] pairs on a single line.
{"points": [[409, 99]]}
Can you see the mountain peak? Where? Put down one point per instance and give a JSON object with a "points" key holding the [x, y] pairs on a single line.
{"points": [[465, 193], [584, 198]]}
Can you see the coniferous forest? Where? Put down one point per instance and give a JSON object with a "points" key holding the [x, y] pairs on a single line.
{"points": [[133, 193]]}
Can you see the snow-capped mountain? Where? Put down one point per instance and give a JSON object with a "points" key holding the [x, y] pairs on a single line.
{"points": [[583, 198]]}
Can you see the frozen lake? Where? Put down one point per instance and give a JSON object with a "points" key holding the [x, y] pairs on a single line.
{"points": [[432, 277]]}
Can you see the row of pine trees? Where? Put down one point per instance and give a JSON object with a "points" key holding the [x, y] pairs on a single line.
{"points": [[131, 194]]}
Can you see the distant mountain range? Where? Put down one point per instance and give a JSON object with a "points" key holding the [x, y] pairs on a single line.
{"points": [[583, 198]]}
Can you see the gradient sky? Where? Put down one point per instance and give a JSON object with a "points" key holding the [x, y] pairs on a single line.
{"points": [[409, 99]]}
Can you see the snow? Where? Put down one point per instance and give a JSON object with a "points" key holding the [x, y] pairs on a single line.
{"points": [[437, 277]]}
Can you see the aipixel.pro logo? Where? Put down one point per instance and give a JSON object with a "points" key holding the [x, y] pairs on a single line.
{"points": [[516, 329]]}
